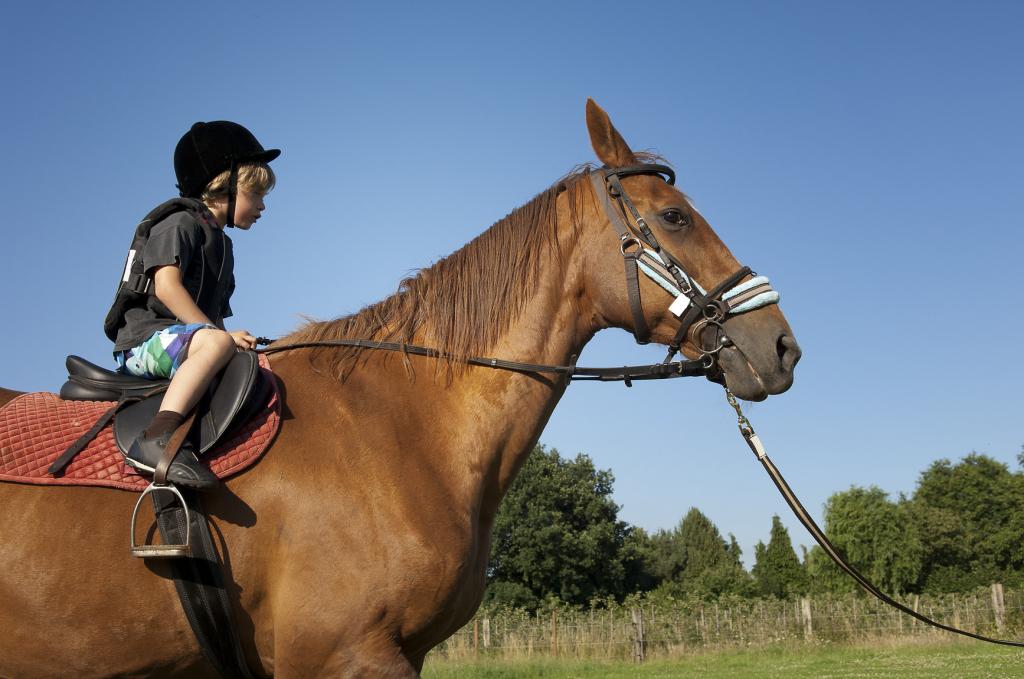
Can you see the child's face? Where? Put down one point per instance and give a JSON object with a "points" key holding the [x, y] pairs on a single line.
{"points": [[248, 207]]}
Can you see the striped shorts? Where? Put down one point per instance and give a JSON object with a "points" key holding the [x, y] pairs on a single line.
{"points": [[161, 355]]}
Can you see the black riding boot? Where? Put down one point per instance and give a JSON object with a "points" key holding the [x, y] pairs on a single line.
{"points": [[186, 470]]}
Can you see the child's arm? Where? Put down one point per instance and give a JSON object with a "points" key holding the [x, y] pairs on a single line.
{"points": [[170, 291]]}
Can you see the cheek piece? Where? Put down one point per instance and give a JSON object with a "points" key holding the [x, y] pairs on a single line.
{"points": [[697, 310]]}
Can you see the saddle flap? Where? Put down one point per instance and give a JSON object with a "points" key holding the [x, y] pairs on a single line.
{"points": [[229, 394], [219, 411]]}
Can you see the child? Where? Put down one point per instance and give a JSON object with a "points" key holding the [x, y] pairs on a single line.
{"points": [[223, 165]]}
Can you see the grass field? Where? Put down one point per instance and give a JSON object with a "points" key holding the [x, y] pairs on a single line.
{"points": [[943, 661]]}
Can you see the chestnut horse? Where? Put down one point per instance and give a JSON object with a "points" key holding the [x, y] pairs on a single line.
{"points": [[361, 539]]}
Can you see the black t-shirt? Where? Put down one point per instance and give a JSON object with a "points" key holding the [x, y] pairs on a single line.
{"points": [[179, 240]]}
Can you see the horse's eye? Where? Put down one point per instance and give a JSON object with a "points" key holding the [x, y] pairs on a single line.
{"points": [[675, 218]]}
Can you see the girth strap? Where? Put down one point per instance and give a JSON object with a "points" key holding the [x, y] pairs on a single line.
{"points": [[200, 585]]}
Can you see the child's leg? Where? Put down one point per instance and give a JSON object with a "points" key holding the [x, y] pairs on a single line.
{"points": [[191, 355], [208, 352]]}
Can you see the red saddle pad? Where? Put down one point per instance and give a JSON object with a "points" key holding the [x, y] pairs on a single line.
{"points": [[36, 428]]}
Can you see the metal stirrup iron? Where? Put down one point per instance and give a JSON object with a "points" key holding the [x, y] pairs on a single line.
{"points": [[168, 551]]}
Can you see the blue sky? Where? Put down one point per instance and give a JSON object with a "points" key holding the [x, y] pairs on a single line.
{"points": [[866, 157]]}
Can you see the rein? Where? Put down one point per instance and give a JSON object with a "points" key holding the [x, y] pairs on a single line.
{"points": [[657, 371]]}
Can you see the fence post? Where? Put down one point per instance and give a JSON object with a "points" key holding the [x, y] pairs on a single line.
{"points": [[487, 632], [554, 632], [805, 610], [998, 606], [476, 636], [638, 634]]}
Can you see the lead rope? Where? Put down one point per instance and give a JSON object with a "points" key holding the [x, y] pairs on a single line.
{"points": [[754, 442]]}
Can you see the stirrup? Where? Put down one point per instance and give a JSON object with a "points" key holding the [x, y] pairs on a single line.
{"points": [[162, 551]]}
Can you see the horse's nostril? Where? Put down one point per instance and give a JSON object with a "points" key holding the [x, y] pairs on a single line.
{"points": [[788, 351]]}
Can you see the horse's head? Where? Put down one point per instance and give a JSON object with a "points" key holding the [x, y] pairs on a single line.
{"points": [[719, 310]]}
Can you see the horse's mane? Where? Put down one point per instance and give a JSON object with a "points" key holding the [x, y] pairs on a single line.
{"points": [[464, 302]]}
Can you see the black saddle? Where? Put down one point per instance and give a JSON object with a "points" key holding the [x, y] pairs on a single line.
{"points": [[234, 396]]}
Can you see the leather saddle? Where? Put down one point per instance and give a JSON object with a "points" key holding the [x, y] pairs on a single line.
{"points": [[234, 396]]}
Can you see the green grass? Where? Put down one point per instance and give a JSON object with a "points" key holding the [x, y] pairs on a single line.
{"points": [[949, 660]]}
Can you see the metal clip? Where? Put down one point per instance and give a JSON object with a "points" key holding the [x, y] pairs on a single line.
{"points": [[746, 429]]}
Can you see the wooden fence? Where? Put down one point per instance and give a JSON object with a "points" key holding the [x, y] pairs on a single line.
{"points": [[643, 628]]}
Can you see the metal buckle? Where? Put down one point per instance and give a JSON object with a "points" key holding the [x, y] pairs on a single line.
{"points": [[626, 242], [162, 551]]}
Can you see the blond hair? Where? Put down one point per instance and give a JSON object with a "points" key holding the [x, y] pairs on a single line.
{"points": [[254, 177]]}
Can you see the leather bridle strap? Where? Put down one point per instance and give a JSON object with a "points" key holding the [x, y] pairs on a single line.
{"points": [[700, 304], [630, 246]]}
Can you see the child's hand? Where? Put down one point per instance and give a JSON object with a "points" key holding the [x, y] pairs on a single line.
{"points": [[243, 340]]}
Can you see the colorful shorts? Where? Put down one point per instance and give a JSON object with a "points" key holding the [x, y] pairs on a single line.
{"points": [[161, 355]]}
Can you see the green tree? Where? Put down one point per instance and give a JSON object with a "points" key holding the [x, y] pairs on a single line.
{"points": [[694, 559], [557, 533], [971, 519], [777, 570], [876, 536]]}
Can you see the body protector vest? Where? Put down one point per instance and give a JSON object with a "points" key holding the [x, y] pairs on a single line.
{"points": [[135, 285]]}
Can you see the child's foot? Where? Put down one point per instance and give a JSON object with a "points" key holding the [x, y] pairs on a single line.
{"points": [[186, 470]]}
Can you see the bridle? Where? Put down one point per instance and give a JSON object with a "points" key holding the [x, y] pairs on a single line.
{"points": [[698, 311]]}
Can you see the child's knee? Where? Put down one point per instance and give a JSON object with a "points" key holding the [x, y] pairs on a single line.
{"points": [[216, 341]]}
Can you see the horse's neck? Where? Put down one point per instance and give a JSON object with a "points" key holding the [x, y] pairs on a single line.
{"points": [[507, 411]]}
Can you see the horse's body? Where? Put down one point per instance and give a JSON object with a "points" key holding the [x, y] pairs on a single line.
{"points": [[361, 540]]}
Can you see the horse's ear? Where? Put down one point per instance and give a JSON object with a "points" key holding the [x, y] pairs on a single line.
{"points": [[608, 144]]}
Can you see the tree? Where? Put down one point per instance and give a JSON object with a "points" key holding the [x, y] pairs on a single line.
{"points": [[777, 570], [694, 559], [557, 533], [971, 519], [876, 536]]}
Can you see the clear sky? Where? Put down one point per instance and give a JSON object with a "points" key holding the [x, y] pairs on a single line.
{"points": [[865, 156]]}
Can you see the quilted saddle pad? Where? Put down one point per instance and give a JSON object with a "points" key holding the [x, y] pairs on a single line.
{"points": [[36, 428]]}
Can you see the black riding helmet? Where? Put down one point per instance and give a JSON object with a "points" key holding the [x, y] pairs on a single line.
{"points": [[208, 149]]}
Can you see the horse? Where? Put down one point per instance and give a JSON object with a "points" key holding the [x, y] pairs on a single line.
{"points": [[361, 539]]}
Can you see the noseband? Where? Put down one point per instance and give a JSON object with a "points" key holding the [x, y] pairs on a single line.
{"points": [[698, 311]]}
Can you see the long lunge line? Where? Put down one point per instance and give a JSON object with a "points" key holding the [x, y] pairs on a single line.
{"points": [[819, 536]]}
